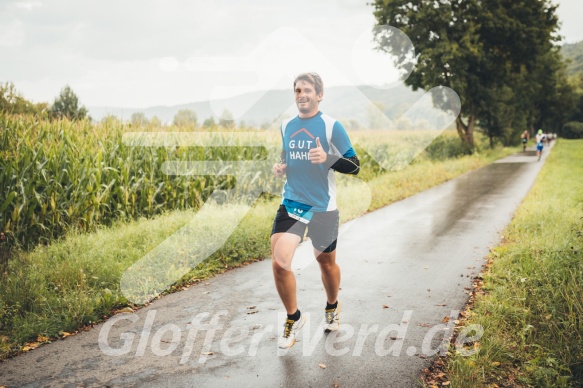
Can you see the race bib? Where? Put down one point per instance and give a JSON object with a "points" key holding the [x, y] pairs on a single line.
{"points": [[299, 214]]}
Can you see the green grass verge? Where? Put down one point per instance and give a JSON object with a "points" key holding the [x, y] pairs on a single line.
{"points": [[75, 281], [532, 305]]}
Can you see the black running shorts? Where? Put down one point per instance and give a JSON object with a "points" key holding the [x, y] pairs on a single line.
{"points": [[322, 229]]}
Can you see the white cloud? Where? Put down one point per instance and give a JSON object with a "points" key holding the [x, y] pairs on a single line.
{"points": [[141, 53], [28, 5], [11, 34]]}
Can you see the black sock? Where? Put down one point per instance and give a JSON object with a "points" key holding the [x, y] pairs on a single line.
{"points": [[331, 306], [295, 316]]}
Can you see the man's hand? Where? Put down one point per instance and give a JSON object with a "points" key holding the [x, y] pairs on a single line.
{"points": [[318, 155], [279, 170]]}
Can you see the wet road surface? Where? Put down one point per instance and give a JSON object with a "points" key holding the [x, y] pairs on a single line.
{"points": [[416, 256]]}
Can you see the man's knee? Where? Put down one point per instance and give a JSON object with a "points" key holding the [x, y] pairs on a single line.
{"points": [[280, 266], [326, 259]]}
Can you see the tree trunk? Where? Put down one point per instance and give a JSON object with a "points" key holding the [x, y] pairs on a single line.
{"points": [[466, 131]]}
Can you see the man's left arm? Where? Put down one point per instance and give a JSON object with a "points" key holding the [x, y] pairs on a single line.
{"points": [[348, 163], [345, 164]]}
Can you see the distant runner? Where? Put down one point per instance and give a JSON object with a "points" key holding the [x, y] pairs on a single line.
{"points": [[524, 137], [540, 138], [314, 146]]}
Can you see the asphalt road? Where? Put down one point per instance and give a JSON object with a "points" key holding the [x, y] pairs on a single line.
{"points": [[416, 256]]}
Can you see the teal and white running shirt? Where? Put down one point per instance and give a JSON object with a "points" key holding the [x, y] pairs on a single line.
{"points": [[312, 186]]}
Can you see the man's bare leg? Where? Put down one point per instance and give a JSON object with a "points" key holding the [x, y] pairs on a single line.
{"points": [[283, 247], [330, 274]]}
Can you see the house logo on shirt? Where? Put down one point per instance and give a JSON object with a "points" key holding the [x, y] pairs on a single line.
{"points": [[300, 149]]}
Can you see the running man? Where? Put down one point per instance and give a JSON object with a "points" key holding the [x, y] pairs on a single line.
{"points": [[540, 137], [524, 138], [314, 146]]}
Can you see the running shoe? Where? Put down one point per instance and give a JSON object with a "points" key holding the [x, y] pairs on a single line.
{"points": [[290, 332], [332, 319]]}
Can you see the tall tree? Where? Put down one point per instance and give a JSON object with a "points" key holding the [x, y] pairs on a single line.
{"points": [[185, 118], [67, 105], [474, 47], [12, 101], [209, 123], [226, 120], [139, 119]]}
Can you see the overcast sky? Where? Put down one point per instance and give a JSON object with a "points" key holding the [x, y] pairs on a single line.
{"points": [[140, 53]]}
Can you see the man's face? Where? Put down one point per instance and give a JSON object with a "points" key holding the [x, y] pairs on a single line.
{"points": [[306, 98]]}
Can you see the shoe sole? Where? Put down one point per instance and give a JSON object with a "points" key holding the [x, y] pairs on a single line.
{"points": [[328, 330]]}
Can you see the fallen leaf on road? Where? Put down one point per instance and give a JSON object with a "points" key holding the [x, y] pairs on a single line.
{"points": [[322, 366], [207, 353], [251, 307], [205, 292], [385, 306], [445, 320], [252, 312], [126, 310], [441, 304], [30, 346]]}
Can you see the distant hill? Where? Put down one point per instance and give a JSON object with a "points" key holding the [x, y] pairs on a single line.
{"points": [[574, 53], [342, 102]]}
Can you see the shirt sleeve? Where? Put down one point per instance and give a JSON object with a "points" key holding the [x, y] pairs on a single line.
{"points": [[348, 163], [341, 142]]}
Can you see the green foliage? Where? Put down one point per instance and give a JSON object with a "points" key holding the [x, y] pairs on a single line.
{"points": [[209, 123], [155, 122], [66, 105], [139, 119], [227, 120], [446, 147], [60, 175], [532, 309], [497, 55], [12, 102], [573, 54], [185, 118], [572, 130]]}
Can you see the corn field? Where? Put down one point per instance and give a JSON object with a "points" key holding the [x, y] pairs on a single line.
{"points": [[61, 174], [58, 175]]}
